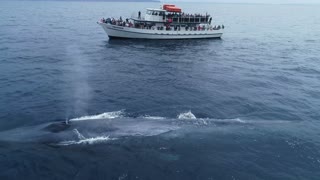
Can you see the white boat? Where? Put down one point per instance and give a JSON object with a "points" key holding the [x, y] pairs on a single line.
{"points": [[168, 22]]}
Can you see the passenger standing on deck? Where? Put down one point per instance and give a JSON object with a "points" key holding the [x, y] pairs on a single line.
{"points": [[139, 15]]}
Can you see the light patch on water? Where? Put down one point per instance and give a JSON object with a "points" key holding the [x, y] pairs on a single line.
{"points": [[187, 115], [123, 176], [106, 115]]}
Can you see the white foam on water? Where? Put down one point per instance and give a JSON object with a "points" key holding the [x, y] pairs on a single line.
{"points": [[80, 136], [83, 140], [204, 122], [235, 120], [248, 121], [106, 115], [87, 141], [187, 115], [152, 117], [239, 120]]}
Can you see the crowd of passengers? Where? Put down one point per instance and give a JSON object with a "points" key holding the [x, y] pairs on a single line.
{"points": [[185, 15], [118, 22], [127, 23], [176, 15], [186, 28]]}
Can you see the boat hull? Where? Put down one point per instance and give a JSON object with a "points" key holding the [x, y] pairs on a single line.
{"points": [[114, 31]]}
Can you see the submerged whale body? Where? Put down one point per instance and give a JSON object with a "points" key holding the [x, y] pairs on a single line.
{"points": [[57, 127], [57, 132], [110, 126]]}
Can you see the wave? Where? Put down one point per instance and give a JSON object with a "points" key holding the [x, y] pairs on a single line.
{"points": [[187, 115], [106, 115]]}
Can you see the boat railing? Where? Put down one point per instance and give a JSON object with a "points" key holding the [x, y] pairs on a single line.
{"points": [[171, 28], [190, 19], [133, 16]]}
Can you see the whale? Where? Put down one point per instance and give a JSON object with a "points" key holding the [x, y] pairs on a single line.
{"points": [[111, 126], [87, 131]]}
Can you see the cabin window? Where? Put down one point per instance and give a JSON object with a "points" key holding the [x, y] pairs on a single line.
{"points": [[149, 12], [154, 13]]}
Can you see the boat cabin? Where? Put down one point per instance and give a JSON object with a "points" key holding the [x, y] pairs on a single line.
{"points": [[170, 17], [171, 14], [157, 15]]}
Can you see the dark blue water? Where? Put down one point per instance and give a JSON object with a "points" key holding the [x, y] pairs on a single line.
{"points": [[246, 106]]}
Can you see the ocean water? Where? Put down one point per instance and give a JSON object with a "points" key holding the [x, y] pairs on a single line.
{"points": [[74, 105]]}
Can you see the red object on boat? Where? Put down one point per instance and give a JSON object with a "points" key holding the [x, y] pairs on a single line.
{"points": [[171, 8], [168, 5]]}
